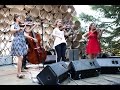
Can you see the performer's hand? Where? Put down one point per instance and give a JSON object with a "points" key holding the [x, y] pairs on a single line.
{"points": [[35, 39], [64, 27]]}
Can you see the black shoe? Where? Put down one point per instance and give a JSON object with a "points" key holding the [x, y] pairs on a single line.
{"points": [[25, 67]]}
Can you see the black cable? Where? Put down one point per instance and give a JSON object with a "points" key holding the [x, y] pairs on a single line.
{"points": [[80, 79], [69, 77]]}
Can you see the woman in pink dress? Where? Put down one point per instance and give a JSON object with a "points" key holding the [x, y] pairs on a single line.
{"points": [[93, 43]]}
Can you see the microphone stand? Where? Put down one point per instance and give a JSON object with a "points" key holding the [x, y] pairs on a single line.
{"points": [[42, 39], [72, 44]]}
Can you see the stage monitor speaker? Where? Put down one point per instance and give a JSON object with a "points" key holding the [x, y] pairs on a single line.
{"points": [[50, 59], [73, 54], [53, 74], [109, 65], [83, 68]]}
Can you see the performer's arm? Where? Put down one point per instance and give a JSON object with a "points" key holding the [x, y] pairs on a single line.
{"points": [[85, 35], [26, 34], [13, 30], [56, 34]]}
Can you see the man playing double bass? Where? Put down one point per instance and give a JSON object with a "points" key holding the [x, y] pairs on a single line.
{"points": [[28, 29], [36, 53]]}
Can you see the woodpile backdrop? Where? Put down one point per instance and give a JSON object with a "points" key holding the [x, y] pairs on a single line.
{"points": [[47, 12]]}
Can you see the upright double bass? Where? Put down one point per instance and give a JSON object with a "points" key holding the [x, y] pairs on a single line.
{"points": [[36, 53]]}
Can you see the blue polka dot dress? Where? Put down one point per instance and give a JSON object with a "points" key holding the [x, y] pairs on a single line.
{"points": [[19, 46]]}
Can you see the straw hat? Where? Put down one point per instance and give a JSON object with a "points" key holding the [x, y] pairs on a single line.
{"points": [[20, 7], [47, 8], [29, 7], [63, 8], [40, 7], [49, 16], [15, 11]]}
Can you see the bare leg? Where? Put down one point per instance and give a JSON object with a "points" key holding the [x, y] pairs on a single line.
{"points": [[94, 56], [90, 56], [19, 65]]}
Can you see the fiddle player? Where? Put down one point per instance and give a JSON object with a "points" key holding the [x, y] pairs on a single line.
{"points": [[60, 42], [19, 46], [93, 44]]}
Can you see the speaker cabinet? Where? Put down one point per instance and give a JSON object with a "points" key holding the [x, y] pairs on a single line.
{"points": [[50, 59], [6, 60], [73, 54], [109, 65], [83, 68], [53, 74]]}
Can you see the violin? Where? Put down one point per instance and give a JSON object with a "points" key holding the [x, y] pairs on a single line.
{"points": [[22, 24]]}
